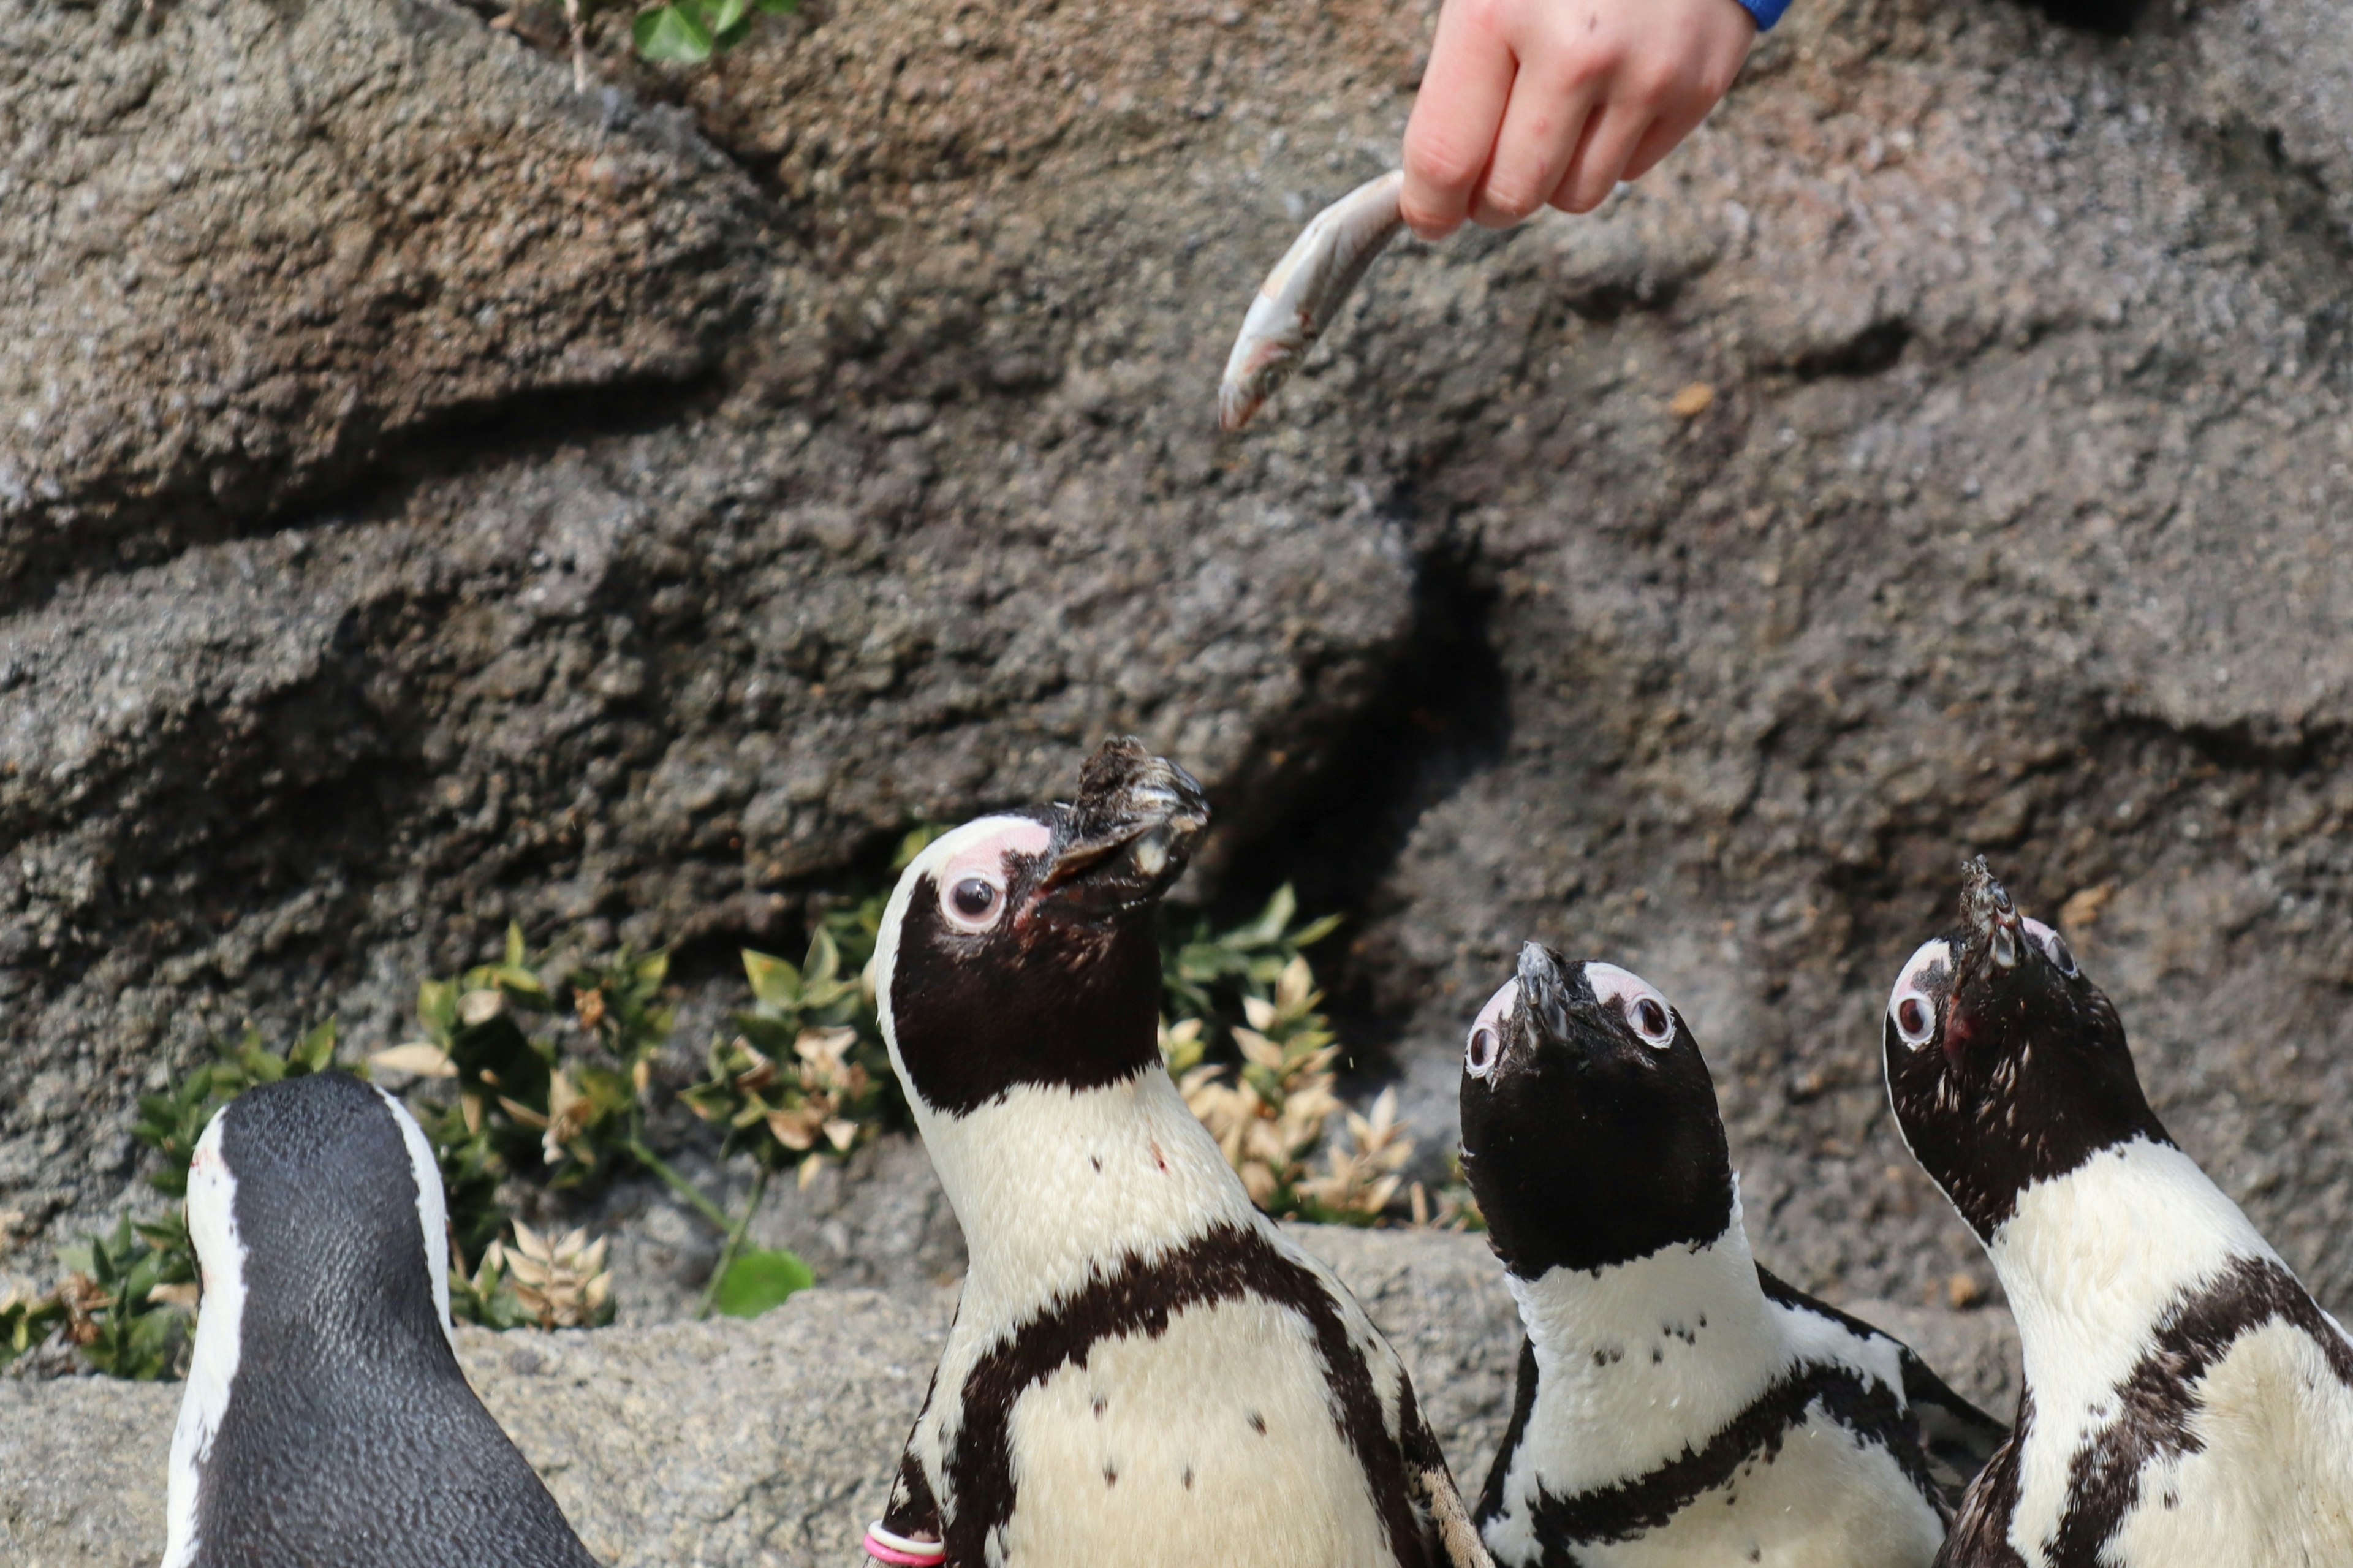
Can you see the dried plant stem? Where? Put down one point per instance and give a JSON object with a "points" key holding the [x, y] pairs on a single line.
{"points": [[579, 45]]}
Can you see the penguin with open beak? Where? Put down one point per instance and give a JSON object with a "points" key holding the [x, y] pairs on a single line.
{"points": [[1676, 1402], [325, 1420], [2186, 1403], [1143, 1371]]}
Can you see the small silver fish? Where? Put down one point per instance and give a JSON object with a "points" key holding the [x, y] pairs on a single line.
{"points": [[1304, 291]]}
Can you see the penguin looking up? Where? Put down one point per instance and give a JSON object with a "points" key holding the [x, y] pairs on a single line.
{"points": [[326, 1421], [1676, 1402], [2186, 1401], [1144, 1371]]}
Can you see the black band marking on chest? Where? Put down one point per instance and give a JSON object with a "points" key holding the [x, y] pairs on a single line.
{"points": [[1139, 1298], [2159, 1397], [1524, 1402], [1866, 1407]]}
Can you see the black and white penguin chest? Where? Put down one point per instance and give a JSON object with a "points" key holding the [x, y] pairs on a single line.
{"points": [[1144, 1371], [326, 1420], [1147, 1371], [2187, 1404], [1683, 1409]]}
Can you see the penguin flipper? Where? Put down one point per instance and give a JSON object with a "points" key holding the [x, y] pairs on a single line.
{"points": [[914, 1514], [1956, 1437], [1453, 1540], [1959, 1439]]}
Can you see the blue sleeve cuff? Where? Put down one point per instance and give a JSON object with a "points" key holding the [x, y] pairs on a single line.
{"points": [[1766, 12]]}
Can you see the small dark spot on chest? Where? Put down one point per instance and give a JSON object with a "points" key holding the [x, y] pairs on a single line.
{"points": [[1097, 1160], [1258, 1423]]}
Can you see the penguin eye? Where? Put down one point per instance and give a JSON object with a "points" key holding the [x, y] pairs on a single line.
{"points": [[974, 902], [1915, 1019], [2055, 947], [1648, 1017], [1479, 1057]]}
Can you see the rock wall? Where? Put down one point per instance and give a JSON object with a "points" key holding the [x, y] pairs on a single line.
{"points": [[430, 497]]}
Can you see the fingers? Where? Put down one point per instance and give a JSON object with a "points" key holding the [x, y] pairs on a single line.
{"points": [[1601, 158], [1455, 118], [1666, 134], [1535, 148]]}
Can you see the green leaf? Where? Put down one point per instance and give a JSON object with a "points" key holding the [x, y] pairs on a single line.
{"points": [[515, 955], [669, 35], [1315, 931], [720, 17], [758, 1280], [1271, 920], [315, 1052], [824, 961], [774, 981]]}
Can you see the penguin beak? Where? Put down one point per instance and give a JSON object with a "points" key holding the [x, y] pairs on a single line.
{"points": [[1543, 1004], [1128, 836], [1990, 945], [1987, 908]]}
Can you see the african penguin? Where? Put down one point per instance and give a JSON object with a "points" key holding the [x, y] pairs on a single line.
{"points": [[1143, 1371], [2186, 1404], [1676, 1403], [326, 1421]]}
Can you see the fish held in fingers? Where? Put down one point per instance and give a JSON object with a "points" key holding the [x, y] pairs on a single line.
{"points": [[1304, 291]]}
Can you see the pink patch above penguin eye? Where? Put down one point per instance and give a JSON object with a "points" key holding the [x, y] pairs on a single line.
{"points": [[972, 878], [2052, 944]]}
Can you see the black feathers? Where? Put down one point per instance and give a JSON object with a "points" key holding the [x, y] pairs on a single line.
{"points": [[351, 1437], [2026, 1074], [1585, 1145]]}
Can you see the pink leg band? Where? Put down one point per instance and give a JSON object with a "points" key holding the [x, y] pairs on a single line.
{"points": [[900, 1552]]}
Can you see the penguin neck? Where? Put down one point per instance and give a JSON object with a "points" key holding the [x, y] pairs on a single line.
{"points": [[2091, 1261], [1054, 1185], [1663, 1351], [1569, 1313]]}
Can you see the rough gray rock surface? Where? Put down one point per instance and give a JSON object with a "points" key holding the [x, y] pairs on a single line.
{"points": [[769, 1443], [854, 463]]}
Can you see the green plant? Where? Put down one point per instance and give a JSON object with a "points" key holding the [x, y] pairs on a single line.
{"points": [[688, 32], [552, 1082], [1205, 972], [803, 1078], [26, 1322], [130, 1296], [1272, 1111], [171, 1122]]}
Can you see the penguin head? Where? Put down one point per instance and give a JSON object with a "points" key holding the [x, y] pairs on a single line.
{"points": [[1589, 1129], [1022, 949], [2006, 1066], [316, 1209]]}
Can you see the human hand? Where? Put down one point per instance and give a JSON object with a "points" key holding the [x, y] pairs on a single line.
{"points": [[1530, 102]]}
